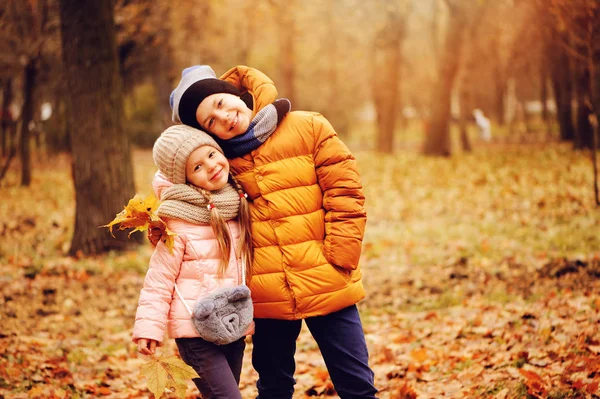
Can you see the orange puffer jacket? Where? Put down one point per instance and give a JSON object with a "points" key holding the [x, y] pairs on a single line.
{"points": [[308, 218]]}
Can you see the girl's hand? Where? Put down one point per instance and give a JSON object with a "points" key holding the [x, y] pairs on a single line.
{"points": [[147, 346], [154, 234]]}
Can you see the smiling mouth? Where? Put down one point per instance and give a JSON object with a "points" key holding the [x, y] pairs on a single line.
{"points": [[216, 175]]}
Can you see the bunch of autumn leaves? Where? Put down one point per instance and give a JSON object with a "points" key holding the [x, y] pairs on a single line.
{"points": [[140, 215]]}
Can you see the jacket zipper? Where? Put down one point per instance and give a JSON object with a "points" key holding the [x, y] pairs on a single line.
{"points": [[239, 275]]}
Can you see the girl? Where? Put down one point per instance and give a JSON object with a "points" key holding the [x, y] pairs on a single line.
{"points": [[208, 212]]}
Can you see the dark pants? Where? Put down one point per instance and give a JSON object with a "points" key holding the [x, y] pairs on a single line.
{"points": [[342, 343], [219, 366]]}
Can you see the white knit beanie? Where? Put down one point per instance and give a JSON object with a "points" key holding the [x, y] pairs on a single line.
{"points": [[172, 149]]}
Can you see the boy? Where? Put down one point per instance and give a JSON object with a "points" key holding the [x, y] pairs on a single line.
{"points": [[308, 224]]}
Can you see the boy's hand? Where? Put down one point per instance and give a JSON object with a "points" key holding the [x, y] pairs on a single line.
{"points": [[147, 346], [154, 234]]}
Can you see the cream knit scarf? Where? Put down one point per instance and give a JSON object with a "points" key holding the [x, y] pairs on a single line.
{"points": [[185, 202]]}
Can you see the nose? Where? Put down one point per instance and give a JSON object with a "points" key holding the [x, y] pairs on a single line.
{"points": [[223, 116], [210, 164]]}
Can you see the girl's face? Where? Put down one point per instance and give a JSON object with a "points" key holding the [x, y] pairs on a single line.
{"points": [[207, 168], [224, 115]]}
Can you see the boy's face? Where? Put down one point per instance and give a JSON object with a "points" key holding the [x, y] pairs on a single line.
{"points": [[224, 115], [207, 168]]}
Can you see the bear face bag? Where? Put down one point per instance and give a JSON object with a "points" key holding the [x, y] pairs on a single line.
{"points": [[225, 316]]}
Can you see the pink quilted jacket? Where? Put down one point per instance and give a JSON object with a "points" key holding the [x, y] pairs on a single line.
{"points": [[192, 267]]}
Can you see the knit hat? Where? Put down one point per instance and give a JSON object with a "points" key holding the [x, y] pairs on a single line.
{"points": [[197, 82], [172, 149]]}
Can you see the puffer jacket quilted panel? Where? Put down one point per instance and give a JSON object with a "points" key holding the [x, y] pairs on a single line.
{"points": [[193, 268]]}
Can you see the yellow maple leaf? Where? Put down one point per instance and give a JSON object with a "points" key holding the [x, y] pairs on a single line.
{"points": [[167, 372], [140, 214]]}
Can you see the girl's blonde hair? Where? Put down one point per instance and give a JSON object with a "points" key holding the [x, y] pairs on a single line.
{"points": [[222, 233]]}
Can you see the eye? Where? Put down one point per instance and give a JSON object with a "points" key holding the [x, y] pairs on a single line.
{"points": [[211, 122], [220, 104], [212, 153], [197, 168]]}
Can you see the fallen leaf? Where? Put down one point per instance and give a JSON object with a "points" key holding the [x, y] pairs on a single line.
{"points": [[530, 375], [167, 372], [535, 384], [419, 355], [406, 392], [594, 349], [322, 375], [503, 394]]}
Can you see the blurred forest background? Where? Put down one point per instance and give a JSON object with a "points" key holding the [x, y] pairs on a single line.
{"points": [[389, 75], [474, 123]]}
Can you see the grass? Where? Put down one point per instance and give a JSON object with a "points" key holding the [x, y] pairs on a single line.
{"points": [[487, 204]]}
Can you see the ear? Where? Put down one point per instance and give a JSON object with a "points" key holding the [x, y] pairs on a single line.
{"points": [[239, 293], [203, 309]]}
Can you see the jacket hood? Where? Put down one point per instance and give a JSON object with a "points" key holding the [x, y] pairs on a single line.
{"points": [[160, 184], [253, 81]]}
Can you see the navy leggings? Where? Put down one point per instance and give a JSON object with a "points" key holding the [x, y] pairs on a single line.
{"points": [[219, 367], [342, 343]]}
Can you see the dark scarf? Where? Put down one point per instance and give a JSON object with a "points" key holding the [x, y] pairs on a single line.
{"points": [[261, 127]]}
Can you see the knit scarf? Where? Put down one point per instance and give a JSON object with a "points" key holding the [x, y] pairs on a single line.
{"points": [[182, 201], [261, 127]]}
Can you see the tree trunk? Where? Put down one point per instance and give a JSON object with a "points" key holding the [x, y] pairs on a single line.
{"points": [[57, 132], [560, 71], [593, 118], [334, 110], [386, 77], [500, 92], [585, 134], [465, 140], [437, 140], [500, 82], [163, 82], [287, 37], [595, 157], [247, 33], [544, 98], [386, 105], [6, 123], [163, 90], [465, 94], [435, 33], [27, 118], [544, 91], [102, 169]]}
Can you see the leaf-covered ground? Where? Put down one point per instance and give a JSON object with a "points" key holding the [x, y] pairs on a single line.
{"points": [[482, 273]]}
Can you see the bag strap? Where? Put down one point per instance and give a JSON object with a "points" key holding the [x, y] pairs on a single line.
{"points": [[183, 300]]}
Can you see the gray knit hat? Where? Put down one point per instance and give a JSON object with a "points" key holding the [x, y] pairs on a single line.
{"points": [[174, 146], [197, 82]]}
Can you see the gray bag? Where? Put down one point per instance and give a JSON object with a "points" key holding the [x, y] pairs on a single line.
{"points": [[225, 316]]}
